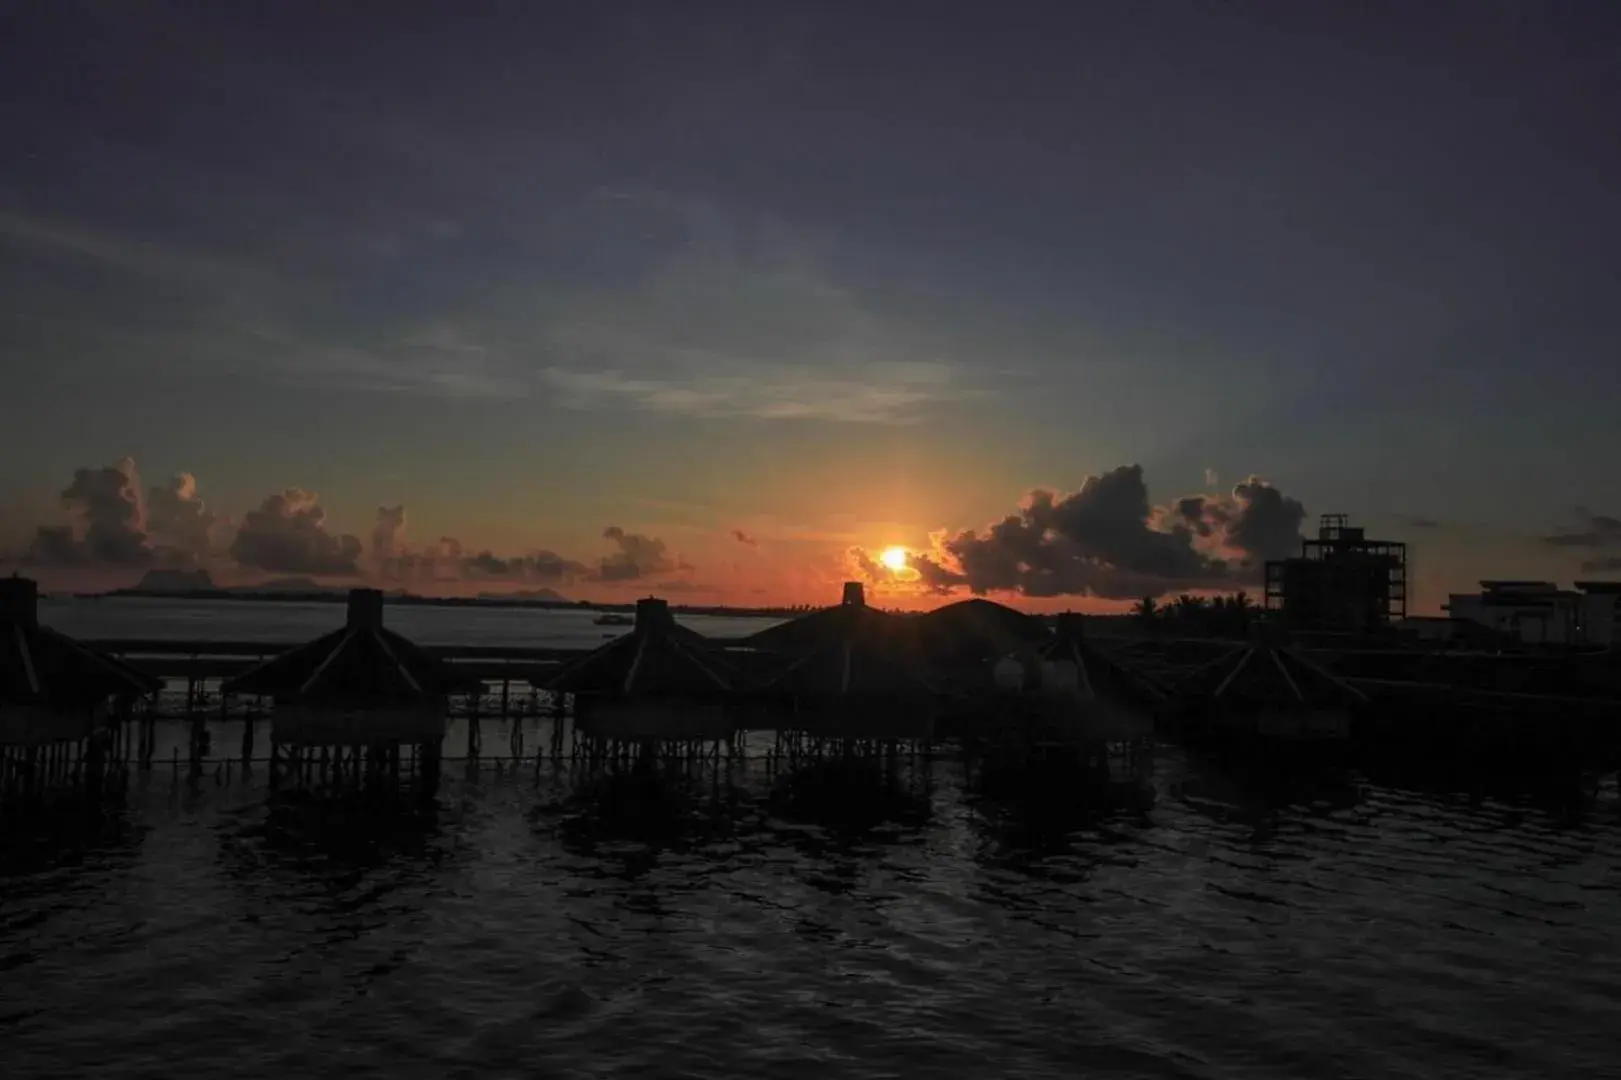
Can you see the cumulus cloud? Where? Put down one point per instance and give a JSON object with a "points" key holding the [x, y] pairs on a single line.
{"points": [[636, 557], [178, 521], [448, 560], [111, 520], [1597, 534], [287, 534], [115, 526], [1106, 539]]}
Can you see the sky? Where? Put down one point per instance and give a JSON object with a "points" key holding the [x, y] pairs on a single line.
{"points": [[1074, 302]]}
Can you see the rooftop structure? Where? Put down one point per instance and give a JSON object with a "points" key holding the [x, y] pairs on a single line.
{"points": [[661, 681], [1341, 581], [359, 685], [1542, 613], [1270, 691], [53, 689], [860, 673], [973, 630]]}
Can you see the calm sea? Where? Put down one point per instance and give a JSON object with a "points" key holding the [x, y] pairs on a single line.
{"points": [[740, 924]]}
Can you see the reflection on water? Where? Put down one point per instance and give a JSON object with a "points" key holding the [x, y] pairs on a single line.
{"points": [[832, 921]]}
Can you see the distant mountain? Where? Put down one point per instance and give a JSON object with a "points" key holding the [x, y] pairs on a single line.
{"points": [[550, 596], [289, 585], [159, 582]]}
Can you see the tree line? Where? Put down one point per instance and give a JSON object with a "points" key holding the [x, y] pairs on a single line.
{"points": [[1224, 615]]}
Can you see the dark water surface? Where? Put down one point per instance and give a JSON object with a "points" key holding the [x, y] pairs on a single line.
{"points": [[719, 930]]}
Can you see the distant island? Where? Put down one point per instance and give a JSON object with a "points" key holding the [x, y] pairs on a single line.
{"points": [[198, 585]]}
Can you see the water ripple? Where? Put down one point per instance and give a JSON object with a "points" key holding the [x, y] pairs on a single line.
{"points": [[815, 926]]}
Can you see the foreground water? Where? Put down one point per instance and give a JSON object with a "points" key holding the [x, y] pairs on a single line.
{"points": [[743, 925], [538, 927]]}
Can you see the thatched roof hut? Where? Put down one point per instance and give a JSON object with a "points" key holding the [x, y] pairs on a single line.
{"points": [[1098, 676], [810, 633], [660, 681], [53, 689], [357, 685], [858, 673], [975, 630], [1272, 690]]}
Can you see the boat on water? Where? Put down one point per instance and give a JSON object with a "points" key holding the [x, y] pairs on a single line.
{"points": [[614, 618]]}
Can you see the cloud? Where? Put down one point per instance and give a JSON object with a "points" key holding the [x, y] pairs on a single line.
{"points": [[1418, 521], [115, 527], [637, 557], [448, 560], [387, 534], [732, 315], [724, 388], [111, 521], [288, 535], [1596, 531], [744, 538], [1105, 539], [179, 522], [1599, 534]]}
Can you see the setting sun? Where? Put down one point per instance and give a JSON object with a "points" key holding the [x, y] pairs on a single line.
{"points": [[894, 558]]}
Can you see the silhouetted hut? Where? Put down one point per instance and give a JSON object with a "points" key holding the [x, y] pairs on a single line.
{"points": [[1270, 691], [361, 685], [969, 633], [660, 682], [858, 673], [1104, 699], [56, 695]]}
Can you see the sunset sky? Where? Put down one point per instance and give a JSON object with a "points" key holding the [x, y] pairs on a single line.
{"points": [[722, 300]]}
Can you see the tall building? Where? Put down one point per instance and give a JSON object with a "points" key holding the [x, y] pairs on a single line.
{"points": [[1341, 581]]}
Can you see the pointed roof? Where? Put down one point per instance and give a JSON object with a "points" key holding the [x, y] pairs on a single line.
{"points": [[859, 663], [1262, 673], [977, 629], [819, 629], [361, 663], [1102, 677], [850, 650], [658, 658], [39, 666]]}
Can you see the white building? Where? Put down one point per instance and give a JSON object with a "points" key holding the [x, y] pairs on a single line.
{"points": [[1541, 613]]}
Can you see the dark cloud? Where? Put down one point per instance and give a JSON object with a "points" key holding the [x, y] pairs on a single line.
{"points": [[111, 521], [1596, 531], [638, 557], [744, 538], [448, 560], [1599, 534], [288, 535], [1107, 540], [55, 545]]}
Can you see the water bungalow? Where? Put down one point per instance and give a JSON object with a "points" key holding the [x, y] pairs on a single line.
{"points": [[853, 673], [662, 682], [61, 703], [358, 688], [1094, 696], [972, 632], [1268, 692]]}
